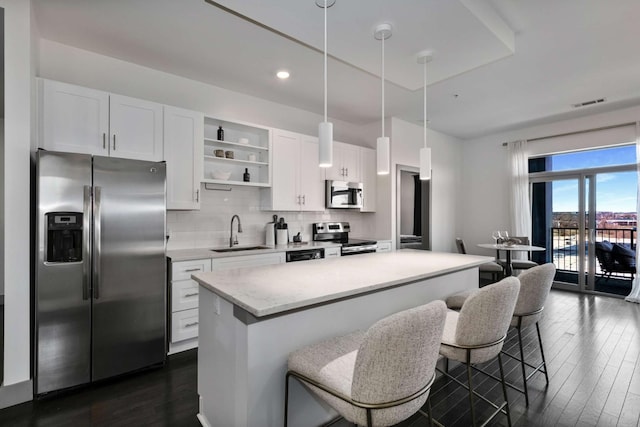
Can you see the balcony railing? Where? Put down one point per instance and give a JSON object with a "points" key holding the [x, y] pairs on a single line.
{"points": [[565, 250]]}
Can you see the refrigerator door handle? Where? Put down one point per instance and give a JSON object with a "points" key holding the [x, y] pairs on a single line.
{"points": [[86, 241], [97, 196]]}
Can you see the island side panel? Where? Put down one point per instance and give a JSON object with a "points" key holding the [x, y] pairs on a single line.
{"points": [[222, 361], [258, 357]]}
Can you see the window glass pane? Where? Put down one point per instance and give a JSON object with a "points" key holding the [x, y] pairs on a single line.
{"points": [[613, 156]]}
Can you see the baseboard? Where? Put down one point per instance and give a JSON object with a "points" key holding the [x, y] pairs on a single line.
{"points": [[16, 393]]}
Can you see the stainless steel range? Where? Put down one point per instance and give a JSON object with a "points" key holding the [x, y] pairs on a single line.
{"points": [[339, 232]]}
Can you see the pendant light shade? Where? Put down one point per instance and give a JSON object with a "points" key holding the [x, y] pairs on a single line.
{"points": [[325, 138], [383, 150], [425, 152], [325, 128], [383, 144], [425, 163]]}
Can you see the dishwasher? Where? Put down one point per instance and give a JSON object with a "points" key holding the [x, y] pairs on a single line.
{"points": [[305, 254]]}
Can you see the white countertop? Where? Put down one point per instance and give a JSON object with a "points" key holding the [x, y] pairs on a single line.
{"points": [[274, 289], [203, 253]]}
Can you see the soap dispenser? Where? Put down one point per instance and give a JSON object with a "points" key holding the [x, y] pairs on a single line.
{"points": [[246, 177], [220, 134]]}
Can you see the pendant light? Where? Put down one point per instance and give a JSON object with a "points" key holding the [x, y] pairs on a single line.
{"points": [[383, 145], [425, 152], [325, 128]]}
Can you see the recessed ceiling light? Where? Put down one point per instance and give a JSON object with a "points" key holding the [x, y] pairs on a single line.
{"points": [[282, 75]]}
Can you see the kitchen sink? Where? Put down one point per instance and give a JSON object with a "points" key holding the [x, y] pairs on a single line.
{"points": [[243, 248]]}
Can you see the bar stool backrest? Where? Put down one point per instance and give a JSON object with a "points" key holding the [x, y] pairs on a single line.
{"points": [[535, 284], [486, 315], [398, 355]]}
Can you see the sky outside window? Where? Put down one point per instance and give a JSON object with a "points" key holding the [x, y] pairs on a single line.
{"points": [[615, 192]]}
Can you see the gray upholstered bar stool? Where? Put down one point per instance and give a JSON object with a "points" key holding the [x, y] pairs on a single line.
{"points": [[377, 377], [476, 334], [535, 285]]}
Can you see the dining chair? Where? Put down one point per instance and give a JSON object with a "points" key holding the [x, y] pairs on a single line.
{"points": [[476, 335], [496, 270], [520, 264], [535, 285], [377, 377]]}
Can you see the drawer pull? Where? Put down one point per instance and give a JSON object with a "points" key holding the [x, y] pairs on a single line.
{"points": [[188, 270], [194, 294], [188, 325]]}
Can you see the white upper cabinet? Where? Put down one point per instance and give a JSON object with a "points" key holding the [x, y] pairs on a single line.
{"points": [[183, 145], [73, 118], [82, 120], [135, 128], [311, 175], [369, 179], [297, 179], [346, 163]]}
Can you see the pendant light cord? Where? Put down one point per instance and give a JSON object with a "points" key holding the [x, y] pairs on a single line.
{"points": [[382, 85], [325, 60], [425, 105]]}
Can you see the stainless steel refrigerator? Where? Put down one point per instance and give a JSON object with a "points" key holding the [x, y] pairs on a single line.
{"points": [[100, 275]]}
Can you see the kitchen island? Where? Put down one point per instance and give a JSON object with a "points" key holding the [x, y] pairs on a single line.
{"points": [[251, 319]]}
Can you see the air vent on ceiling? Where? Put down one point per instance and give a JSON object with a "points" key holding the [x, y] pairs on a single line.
{"points": [[592, 102]]}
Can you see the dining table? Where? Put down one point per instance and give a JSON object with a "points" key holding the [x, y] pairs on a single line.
{"points": [[508, 248]]}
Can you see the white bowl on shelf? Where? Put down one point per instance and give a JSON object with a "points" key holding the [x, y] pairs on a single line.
{"points": [[220, 175], [243, 141]]}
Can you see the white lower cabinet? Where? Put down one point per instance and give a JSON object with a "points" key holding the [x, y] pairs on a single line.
{"points": [[184, 326], [183, 313], [384, 246], [332, 252]]}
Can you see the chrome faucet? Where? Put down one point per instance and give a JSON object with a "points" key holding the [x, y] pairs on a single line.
{"points": [[233, 242]]}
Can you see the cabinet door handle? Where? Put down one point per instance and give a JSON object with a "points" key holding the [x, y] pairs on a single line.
{"points": [[188, 270], [304, 199], [194, 294], [114, 142], [347, 172], [298, 199], [104, 141], [197, 196], [188, 325]]}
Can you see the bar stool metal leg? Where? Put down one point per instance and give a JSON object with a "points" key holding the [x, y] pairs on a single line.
{"points": [[473, 411], [286, 398], [544, 362], [504, 390], [522, 363]]}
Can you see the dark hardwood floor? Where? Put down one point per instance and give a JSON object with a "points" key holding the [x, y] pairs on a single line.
{"points": [[592, 345], [2, 341]]}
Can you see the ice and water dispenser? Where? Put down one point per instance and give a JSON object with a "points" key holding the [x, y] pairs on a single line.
{"points": [[64, 236]]}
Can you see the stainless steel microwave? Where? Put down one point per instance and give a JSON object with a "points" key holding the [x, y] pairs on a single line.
{"points": [[344, 195]]}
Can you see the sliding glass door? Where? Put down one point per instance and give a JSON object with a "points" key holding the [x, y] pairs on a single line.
{"points": [[587, 222]]}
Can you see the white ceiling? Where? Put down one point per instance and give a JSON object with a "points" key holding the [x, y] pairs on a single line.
{"points": [[498, 64]]}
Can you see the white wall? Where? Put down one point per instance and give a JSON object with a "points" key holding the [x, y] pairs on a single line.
{"points": [[18, 101], [406, 141], [483, 196], [84, 68]]}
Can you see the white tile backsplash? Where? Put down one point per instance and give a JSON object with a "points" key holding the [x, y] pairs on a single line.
{"points": [[210, 226]]}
